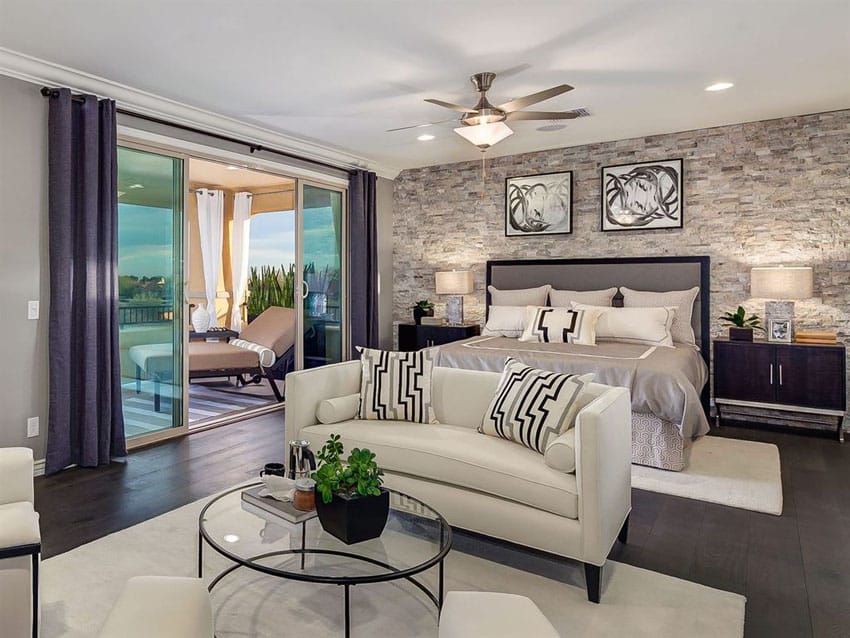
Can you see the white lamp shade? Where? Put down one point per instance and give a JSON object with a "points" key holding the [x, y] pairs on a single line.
{"points": [[485, 135], [782, 282], [454, 282]]}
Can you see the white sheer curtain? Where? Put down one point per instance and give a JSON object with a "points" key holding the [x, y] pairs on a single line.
{"points": [[211, 226], [239, 255]]}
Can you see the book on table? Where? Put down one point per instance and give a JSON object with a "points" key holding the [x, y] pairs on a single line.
{"points": [[260, 505]]}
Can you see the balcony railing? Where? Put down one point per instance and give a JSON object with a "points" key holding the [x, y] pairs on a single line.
{"points": [[131, 313]]}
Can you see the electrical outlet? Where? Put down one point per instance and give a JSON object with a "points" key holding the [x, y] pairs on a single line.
{"points": [[32, 427], [32, 310]]}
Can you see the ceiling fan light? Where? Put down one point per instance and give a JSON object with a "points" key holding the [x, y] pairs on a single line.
{"points": [[485, 135]]}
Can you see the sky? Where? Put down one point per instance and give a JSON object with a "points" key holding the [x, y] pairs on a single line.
{"points": [[145, 239]]}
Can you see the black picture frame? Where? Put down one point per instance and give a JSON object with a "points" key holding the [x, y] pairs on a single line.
{"points": [[569, 202], [607, 226]]}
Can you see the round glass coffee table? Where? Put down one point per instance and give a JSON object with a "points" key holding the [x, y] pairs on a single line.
{"points": [[415, 539]]}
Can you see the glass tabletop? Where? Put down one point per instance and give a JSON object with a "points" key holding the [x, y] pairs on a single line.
{"points": [[415, 538]]}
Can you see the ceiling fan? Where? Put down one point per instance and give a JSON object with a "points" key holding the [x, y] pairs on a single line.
{"points": [[484, 123]]}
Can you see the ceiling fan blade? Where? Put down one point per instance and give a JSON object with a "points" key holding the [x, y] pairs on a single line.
{"points": [[426, 125], [543, 115], [453, 107], [534, 98]]}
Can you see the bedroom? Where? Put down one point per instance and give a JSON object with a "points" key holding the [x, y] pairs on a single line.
{"points": [[667, 164]]}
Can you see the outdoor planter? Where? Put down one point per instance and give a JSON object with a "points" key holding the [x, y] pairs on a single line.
{"points": [[354, 519]]}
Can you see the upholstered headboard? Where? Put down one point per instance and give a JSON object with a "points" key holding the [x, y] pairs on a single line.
{"points": [[658, 274]]}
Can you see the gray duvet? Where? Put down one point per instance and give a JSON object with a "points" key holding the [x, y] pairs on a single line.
{"points": [[665, 382]]}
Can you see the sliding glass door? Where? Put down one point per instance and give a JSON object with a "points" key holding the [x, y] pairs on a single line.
{"points": [[150, 267], [323, 310]]}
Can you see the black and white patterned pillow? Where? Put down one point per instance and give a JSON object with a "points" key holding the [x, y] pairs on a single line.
{"points": [[533, 407], [396, 385], [560, 325]]}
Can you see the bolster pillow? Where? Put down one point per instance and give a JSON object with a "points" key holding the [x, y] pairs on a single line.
{"points": [[338, 409], [561, 453]]}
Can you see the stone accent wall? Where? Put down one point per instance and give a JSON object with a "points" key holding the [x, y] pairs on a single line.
{"points": [[760, 193]]}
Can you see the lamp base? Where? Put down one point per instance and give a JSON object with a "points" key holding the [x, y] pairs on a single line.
{"points": [[454, 310]]}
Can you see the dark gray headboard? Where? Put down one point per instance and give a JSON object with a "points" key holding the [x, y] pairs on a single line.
{"points": [[658, 274]]}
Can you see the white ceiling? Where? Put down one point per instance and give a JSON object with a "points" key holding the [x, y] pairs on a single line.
{"points": [[342, 72]]}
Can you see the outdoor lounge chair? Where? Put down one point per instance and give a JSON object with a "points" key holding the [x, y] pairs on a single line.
{"points": [[265, 348]]}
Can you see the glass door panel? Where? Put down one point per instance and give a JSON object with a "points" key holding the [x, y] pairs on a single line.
{"points": [[323, 277], [150, 289]]}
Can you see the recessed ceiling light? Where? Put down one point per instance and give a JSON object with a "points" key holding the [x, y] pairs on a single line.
{"points": [[719, 86], [231, 167], [425, 137], [135, 186]]}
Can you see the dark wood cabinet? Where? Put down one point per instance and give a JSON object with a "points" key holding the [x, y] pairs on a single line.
{"points": [[781, 383], [415, 337]]}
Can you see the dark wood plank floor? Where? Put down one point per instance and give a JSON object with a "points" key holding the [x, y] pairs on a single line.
{"points": [[794, 569]]}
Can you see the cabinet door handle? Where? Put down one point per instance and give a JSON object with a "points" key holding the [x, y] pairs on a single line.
{"points": [[780, 374], [771, 374]]}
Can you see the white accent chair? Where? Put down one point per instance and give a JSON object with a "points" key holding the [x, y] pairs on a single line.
{"points": [[472, 614], [482, 483], [20, 545], [161, 607]]}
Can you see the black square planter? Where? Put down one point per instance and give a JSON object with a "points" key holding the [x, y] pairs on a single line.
{"points": [[353, 520], [740, 334]]}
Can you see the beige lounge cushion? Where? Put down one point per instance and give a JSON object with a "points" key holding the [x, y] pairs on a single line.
{"points": [[338, 409], [153, 358], [274, 329], [18, 525], [218, 355], [458, 456], [161, 606]]}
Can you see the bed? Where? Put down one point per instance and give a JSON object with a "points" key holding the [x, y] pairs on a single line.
{"points": [[669, 386]]}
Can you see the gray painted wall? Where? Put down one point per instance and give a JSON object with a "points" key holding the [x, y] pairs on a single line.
{"points": [[385, 262], [23, 262]]}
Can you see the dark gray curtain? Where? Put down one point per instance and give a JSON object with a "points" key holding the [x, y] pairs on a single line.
{"points": [[363, 260], [85, 421]]}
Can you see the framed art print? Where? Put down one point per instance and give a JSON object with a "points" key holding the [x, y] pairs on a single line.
{"points": [[644, 196], [539, 204], [779, 330]]}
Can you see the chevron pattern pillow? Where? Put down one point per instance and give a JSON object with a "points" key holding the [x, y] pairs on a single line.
{"points": [[533, 407], [396, 386]]}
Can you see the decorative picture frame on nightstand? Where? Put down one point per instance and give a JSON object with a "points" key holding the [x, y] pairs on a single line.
{"points": [[780, 330]]}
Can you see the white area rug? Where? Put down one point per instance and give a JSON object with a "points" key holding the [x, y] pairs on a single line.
{"points": [[79, 588], [730, 472]]}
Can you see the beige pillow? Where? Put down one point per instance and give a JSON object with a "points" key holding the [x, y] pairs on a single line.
{"points": [[338, 409], [560, 325], [683, 300], [519, 297], [505, 321], [560, 454], [565, 298], [634, 325]]}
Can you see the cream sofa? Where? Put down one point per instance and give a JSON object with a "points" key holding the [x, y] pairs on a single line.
{"points": [[485, 484]]}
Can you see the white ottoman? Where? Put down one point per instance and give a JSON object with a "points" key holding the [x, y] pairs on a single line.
{"points": [[161, 606], [474, 614]]}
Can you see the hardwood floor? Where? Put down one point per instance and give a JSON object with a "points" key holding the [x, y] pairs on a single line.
{"points": [[794, 569]]}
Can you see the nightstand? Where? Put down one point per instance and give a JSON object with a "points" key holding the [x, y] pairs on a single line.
{"points": [[789, 384], [415, 337]]}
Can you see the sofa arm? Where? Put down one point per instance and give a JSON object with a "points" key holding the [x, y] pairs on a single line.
{"points": [[305, 389], [604, 471], [16, 475]]}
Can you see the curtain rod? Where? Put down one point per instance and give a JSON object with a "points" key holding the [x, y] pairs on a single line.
{"points": [[252, 147], [195, 190]]}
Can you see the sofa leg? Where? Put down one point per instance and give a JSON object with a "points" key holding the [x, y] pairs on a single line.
{"points": [[623, 536], [593, 578]]}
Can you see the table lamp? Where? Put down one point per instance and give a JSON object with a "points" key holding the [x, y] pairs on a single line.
{"points": [[783, 283], [455, 283]]}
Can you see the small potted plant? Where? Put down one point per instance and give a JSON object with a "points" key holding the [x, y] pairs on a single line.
{"points": [[350, 502], [742, 326], [422, 308]]}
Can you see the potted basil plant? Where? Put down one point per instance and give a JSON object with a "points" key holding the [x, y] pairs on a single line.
{"points": [[742, 326], [350, 502]]}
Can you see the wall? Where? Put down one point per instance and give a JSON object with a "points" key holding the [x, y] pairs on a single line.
{"points": [[23, 261], [768, 192], [384, 206]]}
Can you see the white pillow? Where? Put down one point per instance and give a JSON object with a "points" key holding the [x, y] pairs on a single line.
{"points": [[683, 300], [560, 454], [634, 325], [338, 409], [520, 297], [560, 325], [564, 298], [505, 321]]}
